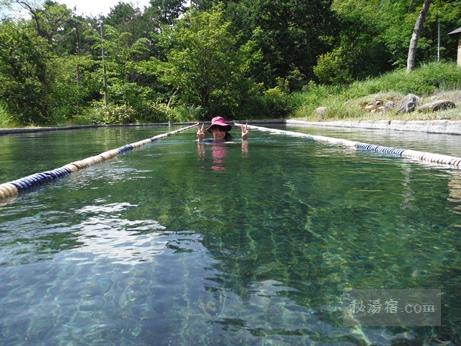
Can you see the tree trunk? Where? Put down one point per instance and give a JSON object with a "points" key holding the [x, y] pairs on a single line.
{"points": [[205, 98], [415, 36]]}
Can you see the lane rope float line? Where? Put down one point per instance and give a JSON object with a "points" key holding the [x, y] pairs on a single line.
{"points": [[13, 188], [414, 155]]}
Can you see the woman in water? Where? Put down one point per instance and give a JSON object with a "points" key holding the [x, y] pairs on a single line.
{"points": [[220, 131]]}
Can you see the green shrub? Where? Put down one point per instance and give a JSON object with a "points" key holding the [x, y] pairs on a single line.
{"points": [[277, 103], [333, 68], [118, 114], [88, 115], [156, 112], [110, 114], [187, 113], [6, 120], [160, 112], [263, 104]]}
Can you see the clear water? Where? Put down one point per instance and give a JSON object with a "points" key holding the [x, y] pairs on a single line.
{"points": [[433, 143], [180, 244]]}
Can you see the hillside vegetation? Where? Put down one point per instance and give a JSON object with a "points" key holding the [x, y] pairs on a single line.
{"points": [[190, 60], [434, 81]]}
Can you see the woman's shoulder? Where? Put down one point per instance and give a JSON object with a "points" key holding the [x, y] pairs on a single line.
{"points": [[212, 141]]}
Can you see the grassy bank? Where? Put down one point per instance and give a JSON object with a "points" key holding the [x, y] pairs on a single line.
{"points": [[430, 82]]}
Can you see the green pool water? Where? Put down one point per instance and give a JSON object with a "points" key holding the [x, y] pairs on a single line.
{"points": [[184, 244]]}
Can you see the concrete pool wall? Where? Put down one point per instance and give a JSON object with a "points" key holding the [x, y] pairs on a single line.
{"points": [[452, 127], [449, 127]]}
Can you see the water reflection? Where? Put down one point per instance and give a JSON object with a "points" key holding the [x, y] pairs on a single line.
{"points": [[104, 232], [33, 238], [454, 191], [218, 152], [99, 230]]}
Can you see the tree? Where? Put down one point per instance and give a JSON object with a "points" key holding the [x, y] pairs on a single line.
{"points": [[126, 18], [378, 31], [43, 34], [415, 35], [290, 34], [49, 21], [204, 63], [47, 73], [24, 79], [163, 12], [293, 34]]}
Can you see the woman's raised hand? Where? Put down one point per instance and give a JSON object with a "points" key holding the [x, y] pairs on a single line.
{"points": [[244, 129], [200, 132]]}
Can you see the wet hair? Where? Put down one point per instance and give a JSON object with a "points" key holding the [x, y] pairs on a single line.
{"points": [[228, 136]]}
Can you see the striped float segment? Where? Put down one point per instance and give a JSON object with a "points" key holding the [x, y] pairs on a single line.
{"points": [[13, 188], [419, 156], [125, 148], [8, 190]]}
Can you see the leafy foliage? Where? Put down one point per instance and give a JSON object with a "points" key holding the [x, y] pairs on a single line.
{"points": [[241, 59], [385, 27], [205, 65], [333, 68], [24, 79]]}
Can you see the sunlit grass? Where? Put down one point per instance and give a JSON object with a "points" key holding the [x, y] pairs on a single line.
{"points": [[346, 102], [6, 120]]}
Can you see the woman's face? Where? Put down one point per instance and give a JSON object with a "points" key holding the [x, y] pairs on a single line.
{"points": [[218, 133]]}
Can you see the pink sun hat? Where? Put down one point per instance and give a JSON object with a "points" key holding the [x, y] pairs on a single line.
{"points": [[219, 121]]}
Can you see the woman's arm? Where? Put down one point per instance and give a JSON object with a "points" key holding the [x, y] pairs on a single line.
{"points": [[244, 129], [200, 133]]}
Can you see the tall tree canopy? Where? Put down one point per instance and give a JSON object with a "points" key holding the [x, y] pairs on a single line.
{"points": [[239, 58], [204, 63]]}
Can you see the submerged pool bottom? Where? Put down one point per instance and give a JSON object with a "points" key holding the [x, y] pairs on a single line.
{"points": [[182, 243]]}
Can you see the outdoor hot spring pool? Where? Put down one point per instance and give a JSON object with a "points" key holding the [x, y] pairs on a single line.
{"points": [[181, 244]]}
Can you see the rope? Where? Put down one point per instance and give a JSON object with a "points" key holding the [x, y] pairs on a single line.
{"points": [[420, 156], [13, 188]]}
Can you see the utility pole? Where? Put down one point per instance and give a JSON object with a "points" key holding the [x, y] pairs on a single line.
{"points": [[104, 76], [438, 37], [77, 51], [77, 68]]}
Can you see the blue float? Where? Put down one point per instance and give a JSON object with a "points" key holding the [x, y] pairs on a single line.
{"points": [[38, 179], [28, 181], [125, 148], [51, 176], [34, 179], [19, 184]]}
